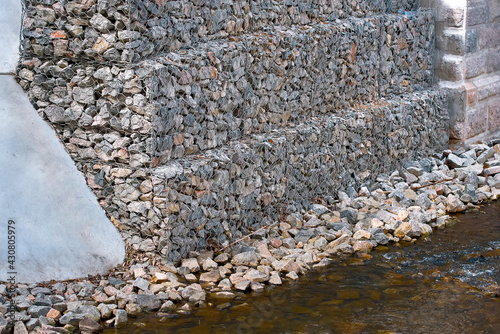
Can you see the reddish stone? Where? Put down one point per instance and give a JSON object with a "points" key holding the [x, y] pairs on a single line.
{"points": [[58, 34], [178, 139], [439, 190], [471, 93], [362, 246], [99, 297], [276, 243], [54, 314]]}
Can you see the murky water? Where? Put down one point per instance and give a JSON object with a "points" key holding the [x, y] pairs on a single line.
{"points": [[447, 283]]}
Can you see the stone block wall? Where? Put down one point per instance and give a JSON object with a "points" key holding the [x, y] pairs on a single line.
{"points": [[468, 65], [197, 121]]}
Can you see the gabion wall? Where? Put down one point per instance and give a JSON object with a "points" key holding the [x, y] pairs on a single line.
{"points": [[196, 121]]}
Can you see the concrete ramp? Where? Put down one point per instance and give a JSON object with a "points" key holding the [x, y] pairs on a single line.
{"points": [[10, 23], [57, 228]]}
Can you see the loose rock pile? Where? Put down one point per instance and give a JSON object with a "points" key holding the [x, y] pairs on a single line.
{"points": [[396, 207]]}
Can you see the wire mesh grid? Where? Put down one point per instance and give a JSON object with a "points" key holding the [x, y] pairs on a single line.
{"points": [[125, 84]]}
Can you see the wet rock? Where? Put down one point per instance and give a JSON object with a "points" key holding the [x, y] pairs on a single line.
{"points": [[168, 306], [275, 278], [225, 295], [147, 302], [89, 326], [121, 318], [403, 229], [362, 246], [254, 275], [378, 234], [453, 204], [194, 293]]}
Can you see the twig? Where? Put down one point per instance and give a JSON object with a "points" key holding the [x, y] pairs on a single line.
{"points": [[242, 238], [425, 185], [432, 183]]}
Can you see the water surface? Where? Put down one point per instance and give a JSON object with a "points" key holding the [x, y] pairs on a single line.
{"points": [[446, 283]]}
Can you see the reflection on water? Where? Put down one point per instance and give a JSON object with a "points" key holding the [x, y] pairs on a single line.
{"points": [[448, 283]]}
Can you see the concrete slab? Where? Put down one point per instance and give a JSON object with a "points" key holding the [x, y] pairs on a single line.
{"points": [[61, 231], [10, 26]]}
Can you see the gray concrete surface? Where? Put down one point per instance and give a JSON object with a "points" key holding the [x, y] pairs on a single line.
{"points": [[61, 231], [10, 26], [58, 230]]}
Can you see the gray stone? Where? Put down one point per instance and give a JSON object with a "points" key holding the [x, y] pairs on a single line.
{"points": [[250, 259], [351, 215], [319, 209], [101, 23], [289, 243], [90, 312], [141, 283], [254, 275], [121, 318], [304, 235], [209, 264], [313, 222], [71, 318], [148, 302], [192, 264], [42, 300], [55, 113], [194, 293], [38, 311], [212, 276], [275, 278], [168, 306], [31, 324], [84, 95], [423, 201], [89, 326], [454, 161]]}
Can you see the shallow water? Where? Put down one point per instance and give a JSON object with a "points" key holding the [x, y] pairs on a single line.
{"points": [[446, 283]]}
